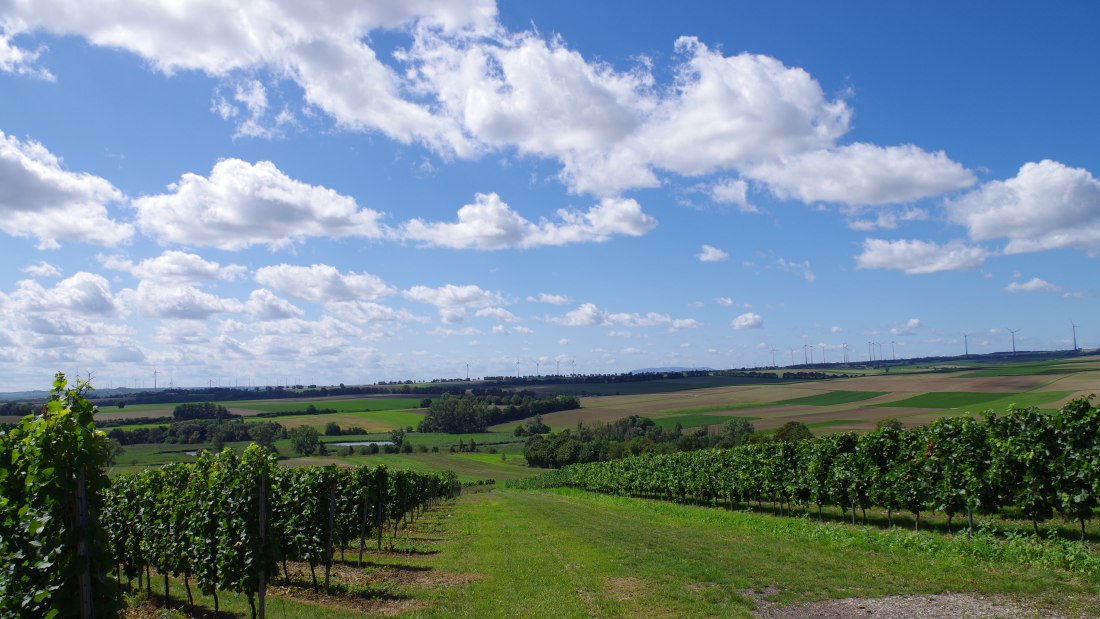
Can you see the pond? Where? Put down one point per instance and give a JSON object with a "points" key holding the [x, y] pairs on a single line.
{"points": [[359, 443]]}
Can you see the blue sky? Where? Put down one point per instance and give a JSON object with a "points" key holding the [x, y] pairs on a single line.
{"points": [[263, 194]]}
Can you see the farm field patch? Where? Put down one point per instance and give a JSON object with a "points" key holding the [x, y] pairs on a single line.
{"points": [[944, 399], [834, 397]]}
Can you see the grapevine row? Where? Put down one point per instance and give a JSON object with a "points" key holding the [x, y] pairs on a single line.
{"points": [[1032, 462], [229, 521]]}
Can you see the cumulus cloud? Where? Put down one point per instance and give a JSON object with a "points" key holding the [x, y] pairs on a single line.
{"points": [[1033, 285], [242, 204], [684, 323], [1047, 205], [552, 299], [919, 257], [452, 301], [174, 267], [747, 320], [320, 48], [82, 294], [906, 328], [263, 304], [40, 199], [709, 253], [177, 301], [862, 175], [42, 269], [321, 282], [724, 301], [587, 314], [496, 313], [364, 312], [732, 191], [489, 224]]}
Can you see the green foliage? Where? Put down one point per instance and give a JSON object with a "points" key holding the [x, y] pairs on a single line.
{"points": [[1032, 462], [200, 410], [793, 431], [49, 462], [458, 414], [305, 440], [736, 431]]}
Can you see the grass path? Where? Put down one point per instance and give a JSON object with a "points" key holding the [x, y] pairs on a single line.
{"points": [[571, 554], [565, 554]]}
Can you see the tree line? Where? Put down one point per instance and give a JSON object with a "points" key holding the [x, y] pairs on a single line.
{"points": [[1026, 461], [629, 436], [463, 414]]}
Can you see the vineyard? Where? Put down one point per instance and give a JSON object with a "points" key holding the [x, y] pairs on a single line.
{"points": [[228, 521], [1023, 462]]}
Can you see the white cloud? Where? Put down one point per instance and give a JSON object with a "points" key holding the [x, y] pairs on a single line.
{"points": [[886, 219], [650, 319], [452, 301], [263, 304], [836, 330], [732, 191], [802, 269], [724, 112], [587, 314], [321, 282], [82, 294], [490, 224], [20, 61], [724, 301], [177, 301], [496, 313], [710, 253], [631, 351], [919, 257], [552, 299], [242, 204], [42, 269], [862, 175], [684, 323], [907, 328], [321, 48], [464, 332], [1033, 285], [522, 329], [747, 320], [174, 267], [365, 312], [39, 199], [1047, 205], [563, 342]]}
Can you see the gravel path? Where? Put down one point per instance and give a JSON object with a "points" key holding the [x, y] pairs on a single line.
{"points": [[941, 606]]}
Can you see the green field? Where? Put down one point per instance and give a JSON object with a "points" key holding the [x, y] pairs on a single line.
{"points": [[832, 398], [945, 399]]}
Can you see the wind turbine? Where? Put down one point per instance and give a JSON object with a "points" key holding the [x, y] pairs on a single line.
{"points": [[467, 371], [1074, 325], [822, 353], [893, 352], [966, 343], [792, 356], [845, 347], [155, 378], [1014, 332]]}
